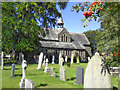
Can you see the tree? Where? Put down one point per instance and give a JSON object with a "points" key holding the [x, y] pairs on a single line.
{"points": [[20, 28], [108, 13], [91, 35]]}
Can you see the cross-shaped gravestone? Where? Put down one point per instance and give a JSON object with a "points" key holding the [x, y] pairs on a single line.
{"points": [[47, 70], [79, 75], [53, 59], [25, 83], [53, 74]]}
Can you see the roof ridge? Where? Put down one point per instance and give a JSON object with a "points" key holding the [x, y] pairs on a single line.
{"points": [[77, 33]]}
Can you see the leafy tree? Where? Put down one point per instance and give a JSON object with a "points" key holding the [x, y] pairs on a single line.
{"points": [[91, 35], [20, 30], [108, 13]]}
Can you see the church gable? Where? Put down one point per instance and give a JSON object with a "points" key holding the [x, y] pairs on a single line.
{"points": [[64, 36]]}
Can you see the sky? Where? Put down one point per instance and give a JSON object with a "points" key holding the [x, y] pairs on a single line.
{"points": [[72, 20]]}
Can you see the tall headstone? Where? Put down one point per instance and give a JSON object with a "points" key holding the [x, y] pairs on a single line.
{"points": [[47, 70], [44, 60], [66, 59], [60, 55], [53, 59], [2, 61], [62, 71], [97, 74], [25, 83], [40, 61], [20, 58], [78, 59], [53, 74], [79, 76], [12, 70]]}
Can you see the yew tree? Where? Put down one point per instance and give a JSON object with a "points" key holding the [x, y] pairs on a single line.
{"points": [[20, 27]]}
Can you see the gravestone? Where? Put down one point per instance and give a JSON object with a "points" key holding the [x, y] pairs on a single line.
{"points": [[66, 59], [29, 84], [25, 83], [53, 59], [24, 66], [88, 58], [53, 74], [44, 60], [47, 70], [2, 61], [40, 61], [12, 70], [62, 71], [79, 76], [20, 58], [60, 55], [97, 75]]}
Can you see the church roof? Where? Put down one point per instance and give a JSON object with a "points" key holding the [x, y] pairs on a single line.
{"points": [[78, 40], [65, 45]]}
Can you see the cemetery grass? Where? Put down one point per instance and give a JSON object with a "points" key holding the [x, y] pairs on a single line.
{"points": [[44, 80]]}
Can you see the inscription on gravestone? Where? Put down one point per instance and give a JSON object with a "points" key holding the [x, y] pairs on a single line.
{"points": [[79, 75]]}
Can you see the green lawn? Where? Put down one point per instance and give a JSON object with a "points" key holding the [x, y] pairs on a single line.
{"points": [[44, 80]]}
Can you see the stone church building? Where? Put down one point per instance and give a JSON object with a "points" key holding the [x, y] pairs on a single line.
{"points": [[61, 41]]}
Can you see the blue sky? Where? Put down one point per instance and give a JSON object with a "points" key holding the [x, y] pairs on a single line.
{"points": [[72, 20]]}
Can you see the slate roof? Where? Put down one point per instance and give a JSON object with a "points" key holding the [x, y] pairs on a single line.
{"points": [[78, 40], [53, 44]]}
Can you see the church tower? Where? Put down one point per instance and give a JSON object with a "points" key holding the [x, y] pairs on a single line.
{"points": [[60, 21]]}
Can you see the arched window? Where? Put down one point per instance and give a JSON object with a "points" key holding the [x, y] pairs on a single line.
{"points": [[66, 39], [62, 38]]}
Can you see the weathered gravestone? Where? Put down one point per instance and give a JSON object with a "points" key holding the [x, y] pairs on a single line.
{"points": [[66, 59], [53, 74], [44, 60], [40, 61], [47, 70], [2, 61], [12, 70], [25, 83], [62, 71], [53, 59], [97, 74], [20, 58], [79, 76], [29, 84]]}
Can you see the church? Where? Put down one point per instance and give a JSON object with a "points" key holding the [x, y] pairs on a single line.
{"points": [[61, 41]]}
